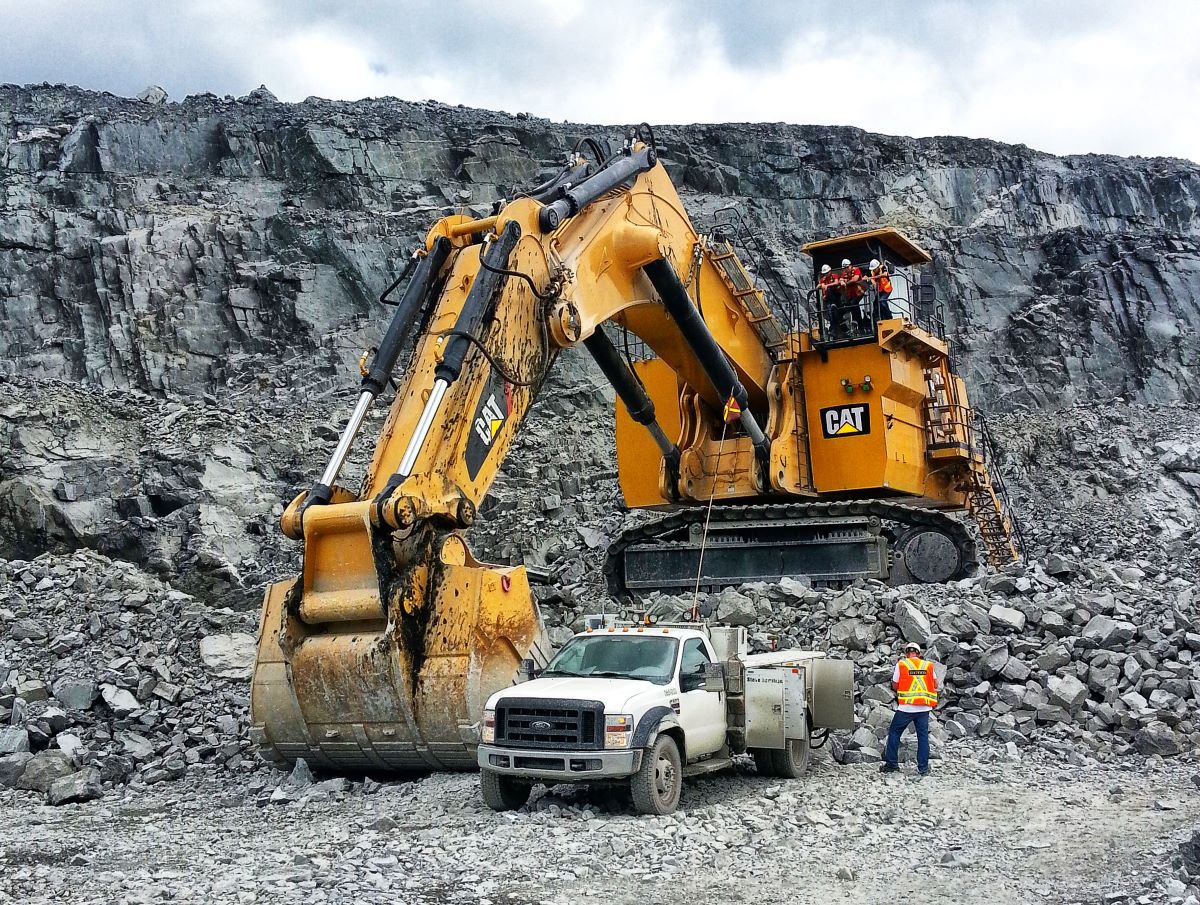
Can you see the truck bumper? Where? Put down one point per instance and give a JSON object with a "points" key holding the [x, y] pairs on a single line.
{"points": [[560, 766]]}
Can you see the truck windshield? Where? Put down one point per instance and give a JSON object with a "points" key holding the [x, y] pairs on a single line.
{"points": [[617, 657]]}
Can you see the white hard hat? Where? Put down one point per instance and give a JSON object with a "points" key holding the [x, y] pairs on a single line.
{"points": [[824, 268], [912, 645], [873, 264], [845, 262]]}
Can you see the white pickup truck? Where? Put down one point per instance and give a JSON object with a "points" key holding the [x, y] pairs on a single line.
{"points": [[649, 705]]}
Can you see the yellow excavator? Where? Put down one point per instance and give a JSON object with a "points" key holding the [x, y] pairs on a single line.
{"points": [[827, 437]]}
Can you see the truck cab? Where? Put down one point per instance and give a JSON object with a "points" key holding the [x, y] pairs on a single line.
{"points": [[647, 705]]}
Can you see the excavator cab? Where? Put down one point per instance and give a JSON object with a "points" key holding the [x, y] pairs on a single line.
{"points": [[851, 298]]}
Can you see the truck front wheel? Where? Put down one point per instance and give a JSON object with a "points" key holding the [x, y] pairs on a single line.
{"points": [[502, 793], [658, 783]]}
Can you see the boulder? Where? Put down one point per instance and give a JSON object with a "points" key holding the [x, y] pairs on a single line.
{"points": [[11, 768], [1105, 632], [71, 745], [230, 656], [28, 630], [734, 608], [1067, 692], [1157, 738], [854, 634], [153, 94], [43, 769], [913, 624], [77, 787], [1007, 617], [1055, 624], [993, 660], [1060, 566], [119, 701], [13, 741], [75, 694]]}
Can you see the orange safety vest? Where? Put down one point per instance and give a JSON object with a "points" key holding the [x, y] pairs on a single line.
{"points": [[918, 684], [883, 282]]}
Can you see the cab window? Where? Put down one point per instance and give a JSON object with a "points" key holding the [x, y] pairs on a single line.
{"points": [[695, 658]]}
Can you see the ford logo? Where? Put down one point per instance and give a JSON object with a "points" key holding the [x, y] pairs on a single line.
{"points": [[540, 725]]}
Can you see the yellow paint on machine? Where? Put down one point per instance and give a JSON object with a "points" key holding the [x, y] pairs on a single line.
{"points": [[639, 459]]}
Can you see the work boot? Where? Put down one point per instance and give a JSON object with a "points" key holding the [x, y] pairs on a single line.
{"points": [[889, 768], [921, 774]]}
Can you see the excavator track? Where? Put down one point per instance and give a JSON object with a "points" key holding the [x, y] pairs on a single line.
{"points": [[829, 542]]}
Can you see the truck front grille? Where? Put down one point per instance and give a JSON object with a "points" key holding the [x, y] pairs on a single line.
{"points": [[546, 723]]}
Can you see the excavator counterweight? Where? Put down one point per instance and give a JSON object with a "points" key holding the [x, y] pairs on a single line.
{"points": [[832, 445]]}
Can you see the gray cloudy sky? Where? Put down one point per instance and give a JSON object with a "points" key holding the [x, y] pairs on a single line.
{"points": [[1071, 76]]}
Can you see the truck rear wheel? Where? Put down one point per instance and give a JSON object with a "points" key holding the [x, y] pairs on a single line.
{"points": [[785, 763], [792, 761], [502, 793], [658, 783]]}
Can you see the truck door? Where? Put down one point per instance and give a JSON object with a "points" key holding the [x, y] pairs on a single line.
{"points": [[701, 713]]}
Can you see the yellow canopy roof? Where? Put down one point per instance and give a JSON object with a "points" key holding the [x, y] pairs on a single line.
{"points": [[861, 246]]}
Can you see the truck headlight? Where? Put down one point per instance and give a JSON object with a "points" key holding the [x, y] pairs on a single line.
{"points": [[618, 730], [487, 732]]}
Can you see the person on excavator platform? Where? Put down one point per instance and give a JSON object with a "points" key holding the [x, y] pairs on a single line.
{"points": [[831, 299], [881, 282], [853, 289]]}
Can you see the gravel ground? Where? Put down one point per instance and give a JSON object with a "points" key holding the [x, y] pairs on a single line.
{"points": [[984, 828]]}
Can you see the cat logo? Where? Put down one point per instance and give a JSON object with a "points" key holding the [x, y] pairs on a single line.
{"points": [[491, 417], [491, 414], [845, 421]]}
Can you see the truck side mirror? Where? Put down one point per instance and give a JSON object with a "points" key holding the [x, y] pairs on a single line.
{"points": [[714, 677], [526, 671]]}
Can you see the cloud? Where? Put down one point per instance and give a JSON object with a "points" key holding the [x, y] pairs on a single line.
{"points": [[1070, 77]]}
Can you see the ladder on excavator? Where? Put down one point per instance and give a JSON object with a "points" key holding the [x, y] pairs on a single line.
{"points": [[956, 434]]}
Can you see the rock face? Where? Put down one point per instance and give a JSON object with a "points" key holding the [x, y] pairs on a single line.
{"points": [[165, 246]]}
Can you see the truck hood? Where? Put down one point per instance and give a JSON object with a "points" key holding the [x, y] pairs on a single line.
{"points": [[617, 695]]}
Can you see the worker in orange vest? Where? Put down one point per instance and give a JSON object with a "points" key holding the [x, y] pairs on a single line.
{"points": [[881, 281], [916, 689]]}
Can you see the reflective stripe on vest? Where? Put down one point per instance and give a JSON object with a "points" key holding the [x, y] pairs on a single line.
{"points": [[918, 684], [883, 283]]}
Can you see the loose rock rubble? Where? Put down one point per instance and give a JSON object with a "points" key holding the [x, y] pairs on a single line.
{"points": [[104, 679], [1089, 662], [1034, 830]]}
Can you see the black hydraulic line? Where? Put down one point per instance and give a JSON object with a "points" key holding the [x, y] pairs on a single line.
{"points": [[710, 355], [479, 299], [633, 394], [384, 361], [386, 296], [410, 305], [463, 335], [560, 183], [576, 199]]}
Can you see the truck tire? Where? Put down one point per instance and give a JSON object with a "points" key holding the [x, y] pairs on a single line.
{"points": [[502, 793], [764, 761], [658, 783], [792, 761], [786, 763]]}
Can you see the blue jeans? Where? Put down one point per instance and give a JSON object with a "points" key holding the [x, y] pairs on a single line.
{"points": [[900, 721]]}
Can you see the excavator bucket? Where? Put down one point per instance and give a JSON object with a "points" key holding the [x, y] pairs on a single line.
{"points": [[365, 671]]}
